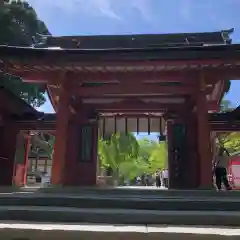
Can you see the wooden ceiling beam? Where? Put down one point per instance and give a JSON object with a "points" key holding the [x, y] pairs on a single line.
{"points": [[50, 127], [51, 77], [122, 60], [128, 106], [133, 90], [212, 75], [216, 74], [213, 106]]}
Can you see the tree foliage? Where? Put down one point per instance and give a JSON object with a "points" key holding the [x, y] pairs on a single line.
{"points": [[159, 156], [20, 26], [226, 106], [129, 158], [44, 142], [230, 141], [227, 86], [118, 149], [135, 167], [154, 153]]}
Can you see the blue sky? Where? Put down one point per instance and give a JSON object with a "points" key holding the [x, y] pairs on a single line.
{"points": [[87, 17]]}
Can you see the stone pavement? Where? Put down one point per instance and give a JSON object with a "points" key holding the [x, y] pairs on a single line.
{"points": [[49, 231], [127, 205], [121, 206], [117, 216]]}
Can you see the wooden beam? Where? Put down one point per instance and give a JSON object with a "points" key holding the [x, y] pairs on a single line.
{"points": [[84, 60], [51, 96], [220, 93], [51, 77], [132, 90], [212, 75], [36, 125], [129, 115], [128, 106], [137, 76], [225, 126], [213, 106], [50, 127], [223, 73], [141, 98]]}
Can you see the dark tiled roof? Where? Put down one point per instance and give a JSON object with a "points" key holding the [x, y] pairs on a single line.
{"points": [[139, 40], [228, 116], [45, 55], [38, 116]]}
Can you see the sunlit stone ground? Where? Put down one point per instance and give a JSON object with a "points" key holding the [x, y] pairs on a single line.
{"points": [[142, 187], [37, 231]]}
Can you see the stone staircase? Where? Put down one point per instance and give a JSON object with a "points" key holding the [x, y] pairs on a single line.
{"points": [[122, 206], [40, 231]]}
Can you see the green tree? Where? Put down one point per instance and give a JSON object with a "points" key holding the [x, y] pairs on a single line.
{"points": [[129, 158], [120, 148], [227, 86], [226, 106], [154, 153], [20, 26], [152, 156], [159, 157], [133, 168], [45, 142], [146, 147], [230, 141]]}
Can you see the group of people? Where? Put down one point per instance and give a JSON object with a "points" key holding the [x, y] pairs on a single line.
{"points": [[220, 165], [161, 178]]}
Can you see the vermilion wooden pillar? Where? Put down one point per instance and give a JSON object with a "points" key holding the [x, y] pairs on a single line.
{"points": [[8, 140], [182, 151], [204, 144], [192, 168], [25, 164], [21, 162], [60, 146], [170, 153], [79, 171], [182, 164], [68, 168]]}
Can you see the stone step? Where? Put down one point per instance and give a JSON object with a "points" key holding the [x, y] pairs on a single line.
{"points": [[121, 202], [49, 231], [118, 216], [139, 192], [122, 191]]}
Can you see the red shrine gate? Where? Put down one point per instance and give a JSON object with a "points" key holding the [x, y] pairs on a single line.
{"points": [[11, 138], [183, 83]]}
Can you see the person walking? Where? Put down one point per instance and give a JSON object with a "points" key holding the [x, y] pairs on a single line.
{"points": [[158, 178], [221, 164], [165, 178]]}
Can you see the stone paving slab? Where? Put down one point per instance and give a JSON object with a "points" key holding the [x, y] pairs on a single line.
{"points": [[119, 190], [112, 196], [118, 216], [39, 231], [96, 195]]}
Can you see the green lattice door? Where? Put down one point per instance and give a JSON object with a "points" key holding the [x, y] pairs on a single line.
{"points": [[179, 156]]}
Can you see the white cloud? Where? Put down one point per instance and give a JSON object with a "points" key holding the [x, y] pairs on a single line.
{"points": [[91, 7], [105, 7], [144, 7]]}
